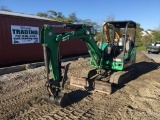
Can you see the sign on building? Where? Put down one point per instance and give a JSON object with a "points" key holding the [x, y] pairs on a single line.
{"points": [[24, 34]]}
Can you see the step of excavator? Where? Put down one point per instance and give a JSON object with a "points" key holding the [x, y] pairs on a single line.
{"points": [[95, 85]]}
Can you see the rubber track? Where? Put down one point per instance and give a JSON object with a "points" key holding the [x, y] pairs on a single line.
{"points": [[121, 77]]}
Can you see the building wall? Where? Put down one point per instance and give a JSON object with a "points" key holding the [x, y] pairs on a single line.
{"points": [[20, 53]]}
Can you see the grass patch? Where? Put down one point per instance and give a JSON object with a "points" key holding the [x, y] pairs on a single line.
{"points": [[141, 48]]}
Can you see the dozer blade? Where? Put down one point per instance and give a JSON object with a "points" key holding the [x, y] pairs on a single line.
{"points": [[103, 87], [95, 85], [61, 99]]}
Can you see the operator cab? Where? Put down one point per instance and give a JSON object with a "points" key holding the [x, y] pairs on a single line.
{"points": [[120, 36]]}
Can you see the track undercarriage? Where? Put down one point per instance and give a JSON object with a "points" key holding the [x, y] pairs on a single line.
{"points": [[104, 83]]}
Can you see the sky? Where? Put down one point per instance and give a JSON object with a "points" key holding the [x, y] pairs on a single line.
{"points": [[144, 12]]}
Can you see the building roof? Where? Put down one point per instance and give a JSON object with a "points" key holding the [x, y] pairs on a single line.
{"points": [[23, 15]]}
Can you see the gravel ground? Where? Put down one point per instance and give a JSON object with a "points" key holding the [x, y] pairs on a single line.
{"points": [[22, 96]]}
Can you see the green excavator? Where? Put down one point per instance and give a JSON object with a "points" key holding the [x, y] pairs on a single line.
{"points": [[112, 59]]}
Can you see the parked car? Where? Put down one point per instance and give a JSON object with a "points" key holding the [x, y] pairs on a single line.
{"points": [[154, 47]]}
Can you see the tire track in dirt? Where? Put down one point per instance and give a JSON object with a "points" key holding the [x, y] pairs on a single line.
{"points": [[18, 101], [78, 111], [43, 110], [19, 90]]}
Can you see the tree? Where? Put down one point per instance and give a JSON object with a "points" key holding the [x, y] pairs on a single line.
{"points": [[41, 14], [98, 36], [60, 15], [156, 35], [111, 17], [138, 35], [87, 22], [3, 8], [72, 17], [52, 13], [98, 27], [146, 40]]}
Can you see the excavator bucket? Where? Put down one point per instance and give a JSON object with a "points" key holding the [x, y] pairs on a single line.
{"points": [[61, 99]]}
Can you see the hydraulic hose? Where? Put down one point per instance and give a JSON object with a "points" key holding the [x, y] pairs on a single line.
{"points": [[46, 60]]}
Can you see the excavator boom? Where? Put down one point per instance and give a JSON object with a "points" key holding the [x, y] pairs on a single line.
{"points": [[50, 41]]}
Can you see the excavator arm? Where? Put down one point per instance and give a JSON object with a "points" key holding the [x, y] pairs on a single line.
{"points": [[50, 41]]}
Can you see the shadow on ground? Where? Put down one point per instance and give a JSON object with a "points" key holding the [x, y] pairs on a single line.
{"points": [[74, 97], [140, 69]]}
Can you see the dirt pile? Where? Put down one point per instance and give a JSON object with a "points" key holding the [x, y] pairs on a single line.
{"points": [[22, 96], [140, 57]]}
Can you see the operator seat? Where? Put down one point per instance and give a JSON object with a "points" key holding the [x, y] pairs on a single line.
{"points": [[129, 46], [121, 41], [119, 47], [115, 50], [121, 44]]}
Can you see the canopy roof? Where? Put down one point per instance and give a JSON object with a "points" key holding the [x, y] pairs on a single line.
{"points": [[122, 24]]}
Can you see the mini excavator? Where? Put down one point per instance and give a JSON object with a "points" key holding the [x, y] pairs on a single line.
{"points": [[112, 59]]}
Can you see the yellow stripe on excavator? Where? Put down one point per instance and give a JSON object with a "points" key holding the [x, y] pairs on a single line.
{"points": [[106, 33]]}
